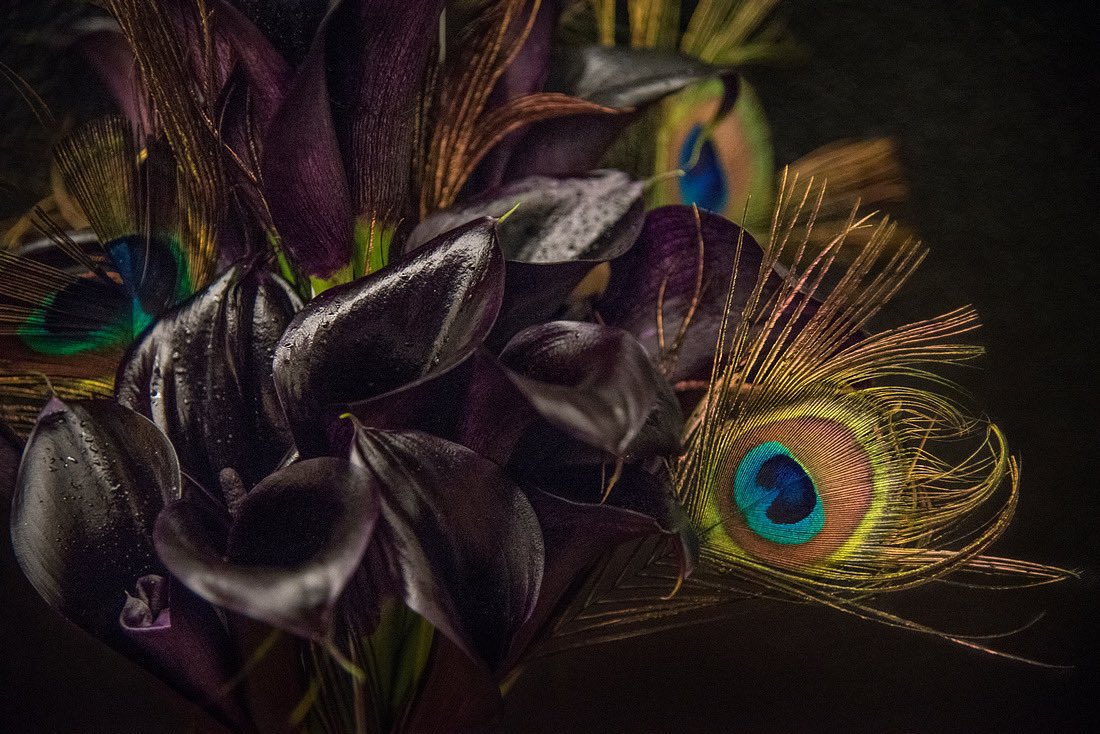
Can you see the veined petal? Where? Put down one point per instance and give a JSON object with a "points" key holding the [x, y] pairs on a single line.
{"points": [[459, 542], [377, 53], [289, 24], [384, 334], [304, 179], [295, 542], [203, 373], [662, 272]]}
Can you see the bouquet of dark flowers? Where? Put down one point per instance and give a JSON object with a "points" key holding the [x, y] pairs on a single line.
{"points": [[345, 381]]}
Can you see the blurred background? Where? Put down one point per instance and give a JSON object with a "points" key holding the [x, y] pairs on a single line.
{"points": [[992, 105]]}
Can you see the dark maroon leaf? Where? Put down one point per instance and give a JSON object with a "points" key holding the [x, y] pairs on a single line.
{"points": [[93, 478], [371, 340], [593, 382], [377, 53], [204, 375], [297, 539], [667, 252], [459, 542], [304, 179]]}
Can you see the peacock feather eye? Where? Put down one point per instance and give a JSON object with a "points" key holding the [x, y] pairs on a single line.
{"points": [[776, 495], [726, 160], [147, 276], [804, 485], [704, 182]]}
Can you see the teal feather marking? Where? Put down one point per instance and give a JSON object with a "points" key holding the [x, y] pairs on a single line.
{"points": [[778, 497], [703, 183]]}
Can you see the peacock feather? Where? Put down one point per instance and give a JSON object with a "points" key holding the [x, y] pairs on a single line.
{"points": [[825, 463], [90, 293]]}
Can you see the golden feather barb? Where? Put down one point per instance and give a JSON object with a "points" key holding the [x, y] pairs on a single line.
{"points": [[179, 84], [907, 487]]}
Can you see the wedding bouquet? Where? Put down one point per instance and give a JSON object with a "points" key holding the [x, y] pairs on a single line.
{"points": [[375, 348]]}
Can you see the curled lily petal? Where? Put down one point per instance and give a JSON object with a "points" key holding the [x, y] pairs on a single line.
{"points": [[658, 293], [183, 637], [623, 78], [296, 540], [459, 543], [204, 375], [390, 331], [560, 228], [579, 526], [93, 478], [593, 382]]}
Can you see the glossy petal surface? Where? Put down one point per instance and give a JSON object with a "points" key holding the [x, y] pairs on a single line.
{"points": [[93, 478], [561, 228], [593, 217], [204, 375], [296, 541], [593, 382], [460, 542], [388, 332], [618, 76]]}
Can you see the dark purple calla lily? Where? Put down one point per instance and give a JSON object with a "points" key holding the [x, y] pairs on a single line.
{"points": [[459, 542], [593, 382], [663, 268], [93, 478], [560, 229], [305, 181], [369, 343], [291, 547], [203, 373]]}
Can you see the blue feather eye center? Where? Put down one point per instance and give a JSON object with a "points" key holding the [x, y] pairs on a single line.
{"points": [[703, 183], [777, 496]]}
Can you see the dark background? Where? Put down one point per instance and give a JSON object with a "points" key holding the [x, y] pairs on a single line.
{"points": [[992, 104]]}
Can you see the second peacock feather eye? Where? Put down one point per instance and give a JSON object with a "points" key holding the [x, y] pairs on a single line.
{"points": [[777, 496]]}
